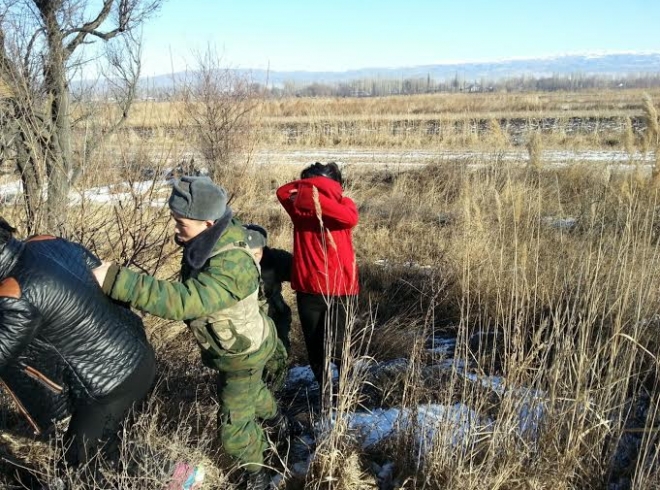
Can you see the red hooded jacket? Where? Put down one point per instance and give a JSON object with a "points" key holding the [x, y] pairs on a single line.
{"points": [[323, 256]]}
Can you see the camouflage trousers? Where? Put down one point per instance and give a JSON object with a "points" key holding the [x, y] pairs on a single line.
{"points": [[244, 398], [275, 370]]}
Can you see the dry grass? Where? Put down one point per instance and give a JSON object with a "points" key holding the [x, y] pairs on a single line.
{"points": [[570, 310], [567, 120], [602, 102], [565, 312]]}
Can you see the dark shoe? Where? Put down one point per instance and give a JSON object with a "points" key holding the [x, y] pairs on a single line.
{"points": [[258, 480]]}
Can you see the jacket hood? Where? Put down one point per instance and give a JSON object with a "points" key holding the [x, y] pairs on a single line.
{"points": [[330, 187], [305, 201]]}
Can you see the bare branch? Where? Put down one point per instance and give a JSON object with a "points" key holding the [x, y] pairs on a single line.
{"points": [[124, 73], [220, 104], [30, 46], [41, 46], [89, 27], [129, 14]]}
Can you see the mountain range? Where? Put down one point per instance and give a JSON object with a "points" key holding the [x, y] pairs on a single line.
{"points": [[612, 64]]}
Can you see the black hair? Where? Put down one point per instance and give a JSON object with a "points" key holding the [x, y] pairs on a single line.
{"points": [[6, 231], [318, 169]]}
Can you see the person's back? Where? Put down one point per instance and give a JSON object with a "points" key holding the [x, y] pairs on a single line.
{"points": [[276, 269], [323, 220], [108, 341], [65, 347], [276, 265], [324, 275]]}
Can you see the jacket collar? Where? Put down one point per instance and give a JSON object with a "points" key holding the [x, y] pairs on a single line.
{"points": [[9, 255], [198, 250]]}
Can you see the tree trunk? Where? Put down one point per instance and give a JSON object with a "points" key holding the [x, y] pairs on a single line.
{"points": [[28, 166], [24, 142], [59, 157]]}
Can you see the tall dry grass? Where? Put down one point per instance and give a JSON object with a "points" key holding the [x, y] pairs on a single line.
{"points": [[651, 119], [565, 318], [534, 149], [555, 321], [452, 121]]}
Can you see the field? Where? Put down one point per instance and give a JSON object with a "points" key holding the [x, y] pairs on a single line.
{"points": [[573, 120], [507, 329]]}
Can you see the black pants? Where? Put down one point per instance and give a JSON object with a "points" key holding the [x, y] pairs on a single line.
{"points": [[323, 319], [95, 424]]}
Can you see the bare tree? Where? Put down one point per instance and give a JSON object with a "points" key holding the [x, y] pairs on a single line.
{"points": [[42, 44], [220, 103]]}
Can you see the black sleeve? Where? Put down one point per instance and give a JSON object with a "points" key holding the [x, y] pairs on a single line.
{"points": [[282, 262], [19, 322]]}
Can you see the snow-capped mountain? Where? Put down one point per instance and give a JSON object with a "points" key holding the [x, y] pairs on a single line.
{"points": [[615, 64]]}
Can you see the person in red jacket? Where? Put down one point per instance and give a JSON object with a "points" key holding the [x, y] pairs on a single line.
{"points": [[324, 275]]}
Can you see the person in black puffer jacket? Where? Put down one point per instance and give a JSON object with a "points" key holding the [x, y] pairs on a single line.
{"points": [[65, 347], [276, 267]]}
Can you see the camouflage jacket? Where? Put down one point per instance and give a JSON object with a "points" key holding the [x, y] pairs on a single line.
{"points": [[210, 281]]}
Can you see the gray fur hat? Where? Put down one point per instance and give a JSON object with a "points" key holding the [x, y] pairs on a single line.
{"points": [[257, 236], [198, 198]]}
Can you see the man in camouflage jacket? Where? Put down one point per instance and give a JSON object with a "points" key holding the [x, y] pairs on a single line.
{"points": [[218, 299]]}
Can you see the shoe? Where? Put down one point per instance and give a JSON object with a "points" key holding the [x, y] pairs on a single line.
{"points": [[258, 480], [185, 476]]}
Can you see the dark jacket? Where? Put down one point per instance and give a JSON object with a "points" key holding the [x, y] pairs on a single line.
{"points": [[323, 256], [62, 341], [275, 269]]}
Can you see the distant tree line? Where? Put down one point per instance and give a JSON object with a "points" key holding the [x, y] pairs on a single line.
{"points": [[426, 85], [380, 87]]}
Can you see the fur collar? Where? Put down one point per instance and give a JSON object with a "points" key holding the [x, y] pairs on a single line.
{"points": [[198, 250]]}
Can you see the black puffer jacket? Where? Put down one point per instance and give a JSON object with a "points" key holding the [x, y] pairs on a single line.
{"points": [[62, 341]]}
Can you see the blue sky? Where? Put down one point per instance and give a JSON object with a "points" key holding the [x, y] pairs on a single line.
{"points": [[336, 35]]}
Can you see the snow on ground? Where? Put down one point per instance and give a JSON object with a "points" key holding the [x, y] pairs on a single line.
{"points": [[144, 192], [457, 425], [560, 223], [442, 347], [613, 161], [10, 191], [300, 375], [618, 160], [529, 403], [148, 192]]}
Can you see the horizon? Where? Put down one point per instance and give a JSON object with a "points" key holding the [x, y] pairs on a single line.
{"points": [[345, 36], [457, 62]]}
